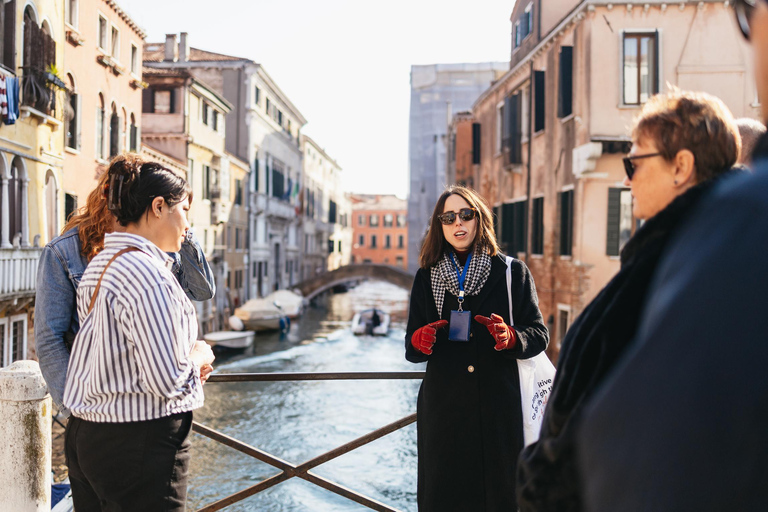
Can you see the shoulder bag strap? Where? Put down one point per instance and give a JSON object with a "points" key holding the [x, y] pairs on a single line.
{"points": [[98, 285], [510, 259]]}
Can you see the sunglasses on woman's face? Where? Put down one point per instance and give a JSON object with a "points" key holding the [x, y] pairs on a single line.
{"points": [[629, 165], [465, 214], [744, 10]]}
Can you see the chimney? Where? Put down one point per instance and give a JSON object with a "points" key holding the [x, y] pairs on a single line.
{"points": [[183, 47], [170, 47]]}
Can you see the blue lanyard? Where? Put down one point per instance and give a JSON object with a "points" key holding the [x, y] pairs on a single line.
{"points": [[461, 275]]}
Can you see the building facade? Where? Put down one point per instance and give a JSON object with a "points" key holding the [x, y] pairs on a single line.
{"points": [[554, 128], [31, 159], [461, 159], [327, 235], [102, 69], [379, 230], [183, 119], [264, 130], [436, 91]]}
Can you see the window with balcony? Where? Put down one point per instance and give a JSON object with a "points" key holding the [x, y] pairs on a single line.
{"points": [[640, 77], [38, 86]]}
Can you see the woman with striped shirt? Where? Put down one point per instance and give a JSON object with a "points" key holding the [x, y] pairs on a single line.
{"points": [[136, 369]]}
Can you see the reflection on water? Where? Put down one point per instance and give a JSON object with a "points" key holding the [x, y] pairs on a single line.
{"points": [[297, 421]]}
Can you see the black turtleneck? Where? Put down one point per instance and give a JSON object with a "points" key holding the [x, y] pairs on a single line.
{"points": [[461, 256]]}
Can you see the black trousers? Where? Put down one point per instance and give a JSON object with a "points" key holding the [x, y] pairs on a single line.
{"points": [[137, 466]]}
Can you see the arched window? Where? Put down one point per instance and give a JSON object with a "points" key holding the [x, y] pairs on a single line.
{"points": [[73, 125], [51, 205], [124, 142], [134, 136], [15, 200], [114, 132], [100, 127]]}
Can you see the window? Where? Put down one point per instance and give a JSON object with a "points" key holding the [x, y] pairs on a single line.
{"points": [[514, 233], [619, 220], [565, 91], [8, 38], [266, 109], [388, 220], [512, 130], [115, 46], [102, 41], [215, 120], [278, 181], [361, 240], [114, 132], [205, 112], [239, 192], [539, 106], [13, 339], [331, 245], [524, 25], [399, 261], [361, 220], [475, 143], [73, 125], [499, 126], [537, 226], [100, 115], [563, 320], [332, 212], [163, 102], [339, 250], [401, 221], [518, 34], [256, 174], [256, 96], [72, 12], [206, 177], [134, 59], [374, 220], [16, 200], [400, 241], [640, 67], [373, 241], [280, 118], [566, 222], [134, 135], [237, 240], [70, 205], [387, 242]]}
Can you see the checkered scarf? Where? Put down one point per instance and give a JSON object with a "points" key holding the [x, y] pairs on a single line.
{"points": [[444, 276]]}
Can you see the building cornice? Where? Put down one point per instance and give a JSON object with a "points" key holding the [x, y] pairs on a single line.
{"points": [[307, 138], [127, 19]]}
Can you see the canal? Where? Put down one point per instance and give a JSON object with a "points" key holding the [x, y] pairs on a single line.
{"points": [[297, 421]]}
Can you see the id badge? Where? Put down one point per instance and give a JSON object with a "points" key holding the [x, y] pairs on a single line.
{"points": [[458, 327]]}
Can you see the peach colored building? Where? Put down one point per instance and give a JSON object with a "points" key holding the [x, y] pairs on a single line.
{"points": [[460, 156], [554, 128], [379, 230], [102, 67]]}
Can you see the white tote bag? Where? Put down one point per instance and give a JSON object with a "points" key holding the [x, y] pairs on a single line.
{"points": [[536, 376]]}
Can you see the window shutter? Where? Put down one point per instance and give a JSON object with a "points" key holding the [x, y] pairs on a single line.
{"points": [[9, 36], [614, 216], [521, 226], [507, 226], [475, 143], [516, 151], [565, 92], [566, 222], [539, 107], [256, 174], [655, 84], [537, 237]]}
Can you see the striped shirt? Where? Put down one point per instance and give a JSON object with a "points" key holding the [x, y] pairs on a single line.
{"points": [[130, 359]]}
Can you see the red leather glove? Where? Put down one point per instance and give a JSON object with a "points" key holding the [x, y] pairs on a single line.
{"points": [[424, 337], [503, 334]]}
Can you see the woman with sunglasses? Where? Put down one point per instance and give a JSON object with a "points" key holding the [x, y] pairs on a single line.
{"points": [[682, 142], [470, 428]]}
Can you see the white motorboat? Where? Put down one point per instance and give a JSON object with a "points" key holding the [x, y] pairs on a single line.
{"points": [[289, 302], [262, 315], [373, 322], [230, 340]]}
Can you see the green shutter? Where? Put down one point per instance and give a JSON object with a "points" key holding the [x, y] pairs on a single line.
{"points": [[614, 216]]}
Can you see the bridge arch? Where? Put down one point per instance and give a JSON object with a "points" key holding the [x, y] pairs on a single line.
{"points": [[314, 286]]}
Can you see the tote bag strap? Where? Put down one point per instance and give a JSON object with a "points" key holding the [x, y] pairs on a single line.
{"points": [[510, 259], [98, 285]]}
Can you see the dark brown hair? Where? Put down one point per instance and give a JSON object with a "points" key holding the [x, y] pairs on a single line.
{"points": [[696, 121], [434, 242]]}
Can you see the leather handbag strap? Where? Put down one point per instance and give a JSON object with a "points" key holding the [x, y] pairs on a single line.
{"points": [[98, 285]]}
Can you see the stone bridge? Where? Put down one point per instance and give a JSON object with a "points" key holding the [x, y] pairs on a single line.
{"points": [[351, 273]]}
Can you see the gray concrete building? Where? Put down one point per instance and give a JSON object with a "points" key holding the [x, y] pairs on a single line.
{"points": [[437, 90]]}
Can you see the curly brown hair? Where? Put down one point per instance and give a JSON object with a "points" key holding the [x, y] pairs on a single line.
{"points": [[696, 121], [94, 219], [434, 242]]}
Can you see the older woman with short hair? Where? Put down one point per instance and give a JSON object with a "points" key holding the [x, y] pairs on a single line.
{"points": [[682, 142]]}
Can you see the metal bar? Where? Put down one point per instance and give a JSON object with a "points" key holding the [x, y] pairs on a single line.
{"points": [[272, 377], [246, 493], [243, 448], [347, 493]]}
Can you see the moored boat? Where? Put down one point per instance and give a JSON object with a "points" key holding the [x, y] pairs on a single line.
{"points": [[373, 322], [230, 340]]}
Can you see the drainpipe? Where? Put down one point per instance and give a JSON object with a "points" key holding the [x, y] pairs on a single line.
{"points": [[530, 152]]}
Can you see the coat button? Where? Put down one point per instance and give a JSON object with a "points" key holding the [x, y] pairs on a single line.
{"points": [[471, 334], [470, 368]]}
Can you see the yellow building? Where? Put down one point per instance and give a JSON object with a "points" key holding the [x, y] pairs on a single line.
{"points": [[236, 250], [31, 159]]}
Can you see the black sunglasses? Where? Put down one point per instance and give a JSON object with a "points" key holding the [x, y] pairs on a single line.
{"points": [[629, 166], [465, 214], [744, 10]]}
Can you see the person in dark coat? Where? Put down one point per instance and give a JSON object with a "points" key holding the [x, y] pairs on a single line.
{"points": [[470, 426], [683, 143], [681, 423]]}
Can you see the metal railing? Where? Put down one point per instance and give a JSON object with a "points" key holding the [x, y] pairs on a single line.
{"points": [[289, 470]]}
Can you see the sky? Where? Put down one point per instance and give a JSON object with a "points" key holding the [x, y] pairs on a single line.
{"points": [[345, 64]]}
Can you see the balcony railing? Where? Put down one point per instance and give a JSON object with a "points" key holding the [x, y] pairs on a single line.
{"points": [[289, 470], [18, 272]]}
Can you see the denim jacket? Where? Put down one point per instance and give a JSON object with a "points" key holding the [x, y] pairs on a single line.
{"points": [[58, 273]]}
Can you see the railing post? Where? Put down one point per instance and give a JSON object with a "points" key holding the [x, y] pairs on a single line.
{"points": [[25, 438]]}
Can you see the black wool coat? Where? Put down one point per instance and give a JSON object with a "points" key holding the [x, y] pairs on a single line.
{"points": [[470, 426], [547, 478]]}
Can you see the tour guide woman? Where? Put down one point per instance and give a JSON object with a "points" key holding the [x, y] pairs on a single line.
{"points": [[470, 428], [134, 375], [682, 143]]}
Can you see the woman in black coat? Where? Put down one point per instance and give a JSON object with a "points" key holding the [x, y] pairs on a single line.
{"points": [[470, 427], [682, 143]]}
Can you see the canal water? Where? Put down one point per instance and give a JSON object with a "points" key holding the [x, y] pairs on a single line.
{"points": [[297, 421]]}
